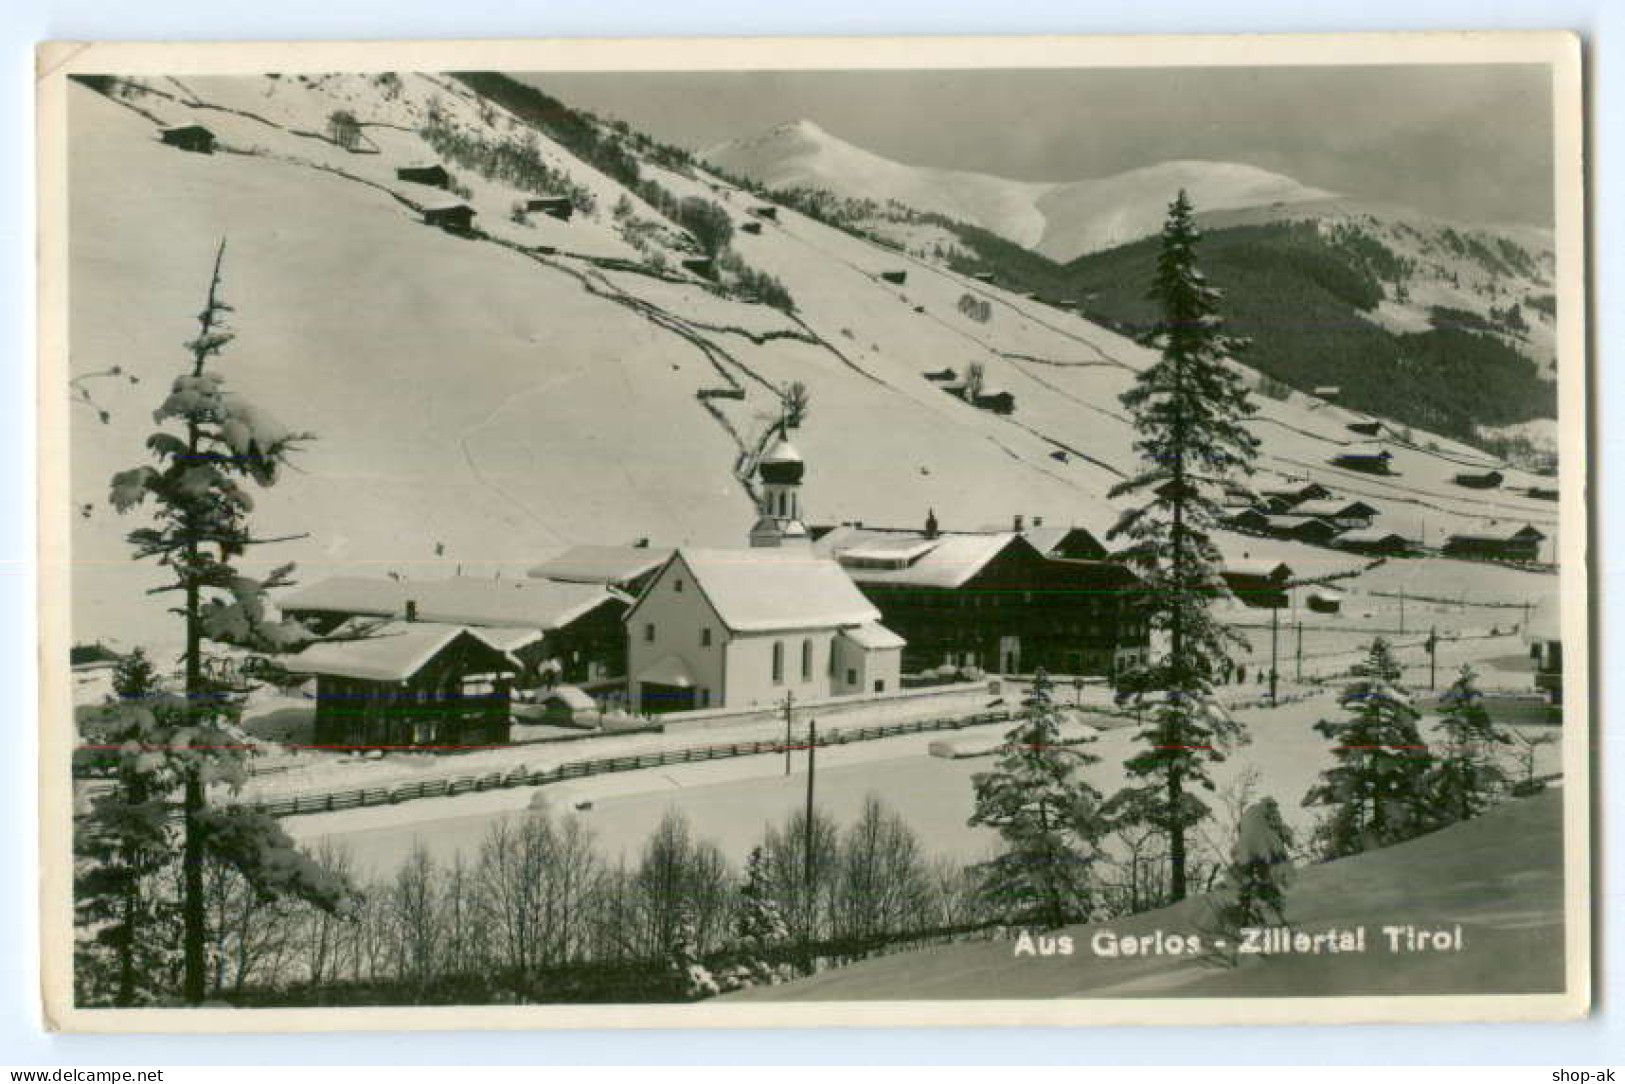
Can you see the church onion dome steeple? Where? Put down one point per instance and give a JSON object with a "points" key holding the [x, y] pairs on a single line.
{"points": [[782, 465]]}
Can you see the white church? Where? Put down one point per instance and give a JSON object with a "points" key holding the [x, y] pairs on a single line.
{"points": [[735, 628]]}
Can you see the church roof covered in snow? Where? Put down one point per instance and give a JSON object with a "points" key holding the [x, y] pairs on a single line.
{"points": [[759, 590], [458, 600]]}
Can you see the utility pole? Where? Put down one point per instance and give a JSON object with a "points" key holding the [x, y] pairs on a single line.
{"points": [[1300, 653], [807, 843], [789, 702], [1433, 657], [1275, 623]]}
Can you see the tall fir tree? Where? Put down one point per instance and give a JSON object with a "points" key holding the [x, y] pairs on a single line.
{"points": [[1188, 410], [1050, 819], [210, 443], [1377, 790], [1467, 777], [759, 927]]}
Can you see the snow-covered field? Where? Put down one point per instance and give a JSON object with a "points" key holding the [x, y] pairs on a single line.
{"points": [[1498, 879]]}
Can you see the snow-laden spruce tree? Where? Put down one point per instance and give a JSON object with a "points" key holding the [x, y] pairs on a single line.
{"points": [[1377, 791], [1188, 409], [1253, 890], [1049, 818], [209, 446], [759, 929], [1467, 777]]}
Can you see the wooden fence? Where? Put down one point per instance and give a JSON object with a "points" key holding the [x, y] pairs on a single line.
{"points": [[580, 769]]}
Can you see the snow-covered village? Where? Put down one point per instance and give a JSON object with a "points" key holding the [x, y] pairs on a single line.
{"points": [[555, 540]]}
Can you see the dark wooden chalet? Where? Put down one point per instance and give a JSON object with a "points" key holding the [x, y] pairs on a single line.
{"points": [[1545, 640], [1323, 601], [896, 278], [1374, 541], [558, 207], [1261, 584], [1309, 529], [1541, 493], [435, 175], [453, 217], [753, 228], [1489, 479], [1368, 427], [189, 137], [992, 600], [767, 211], [409, 685], [1291, 494], [941, 376], [1342, 513], [1497, 544]]}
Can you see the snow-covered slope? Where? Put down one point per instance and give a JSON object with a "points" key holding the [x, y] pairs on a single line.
{"points": [[1497, 878], [1062, 220], [480, 401]]}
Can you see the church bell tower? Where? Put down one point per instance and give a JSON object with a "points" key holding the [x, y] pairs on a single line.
{"points": [[779, 484]]}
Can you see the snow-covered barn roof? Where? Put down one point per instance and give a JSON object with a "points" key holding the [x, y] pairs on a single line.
{"points": [[758, 590], [949, 561], [459, 600], [394, 652], [601, 564]]}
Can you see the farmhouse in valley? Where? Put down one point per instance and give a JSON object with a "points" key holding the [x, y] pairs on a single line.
{"points": [[409, 684], [455, 217], [627, 569], [993, 600], [432, 174], [1368, 459], [1497, 543], [555, 631]]}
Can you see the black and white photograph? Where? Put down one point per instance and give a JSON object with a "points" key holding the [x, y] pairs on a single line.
{"points": [[766, 533]]}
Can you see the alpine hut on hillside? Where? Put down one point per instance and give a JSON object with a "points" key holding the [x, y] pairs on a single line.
{"points": [[1366, 427], [1497, 543], [1309, 529], [1284, 497], [1348, 515], [432, 174], [896, 278], [767, 211], [558, 207], [1259, 583], [753, 228], [409, 684], [1323, 600], [995, 399], [1489, 479], [1368, 459], [189, 137], [452, 217]]}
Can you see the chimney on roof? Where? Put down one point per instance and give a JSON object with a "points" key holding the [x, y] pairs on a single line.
{"points": [[930, 523], [411, 609], [1017, 524]]}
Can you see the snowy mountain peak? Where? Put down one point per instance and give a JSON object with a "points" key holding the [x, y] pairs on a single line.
{"points": [[1062, 220]]}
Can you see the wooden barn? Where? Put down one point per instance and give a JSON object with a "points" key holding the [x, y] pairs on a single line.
{"points": [[409, 685], [896, 278], [1488, 479], [767, 211], [558, 207], [189, 137], [1309, 529], [753, 228], [1497, 544], [1374, 541], [1371, 459], [1366, 427], [1346, 514], [434, 175], [1289, 495], [1324, 601], [942, 376], [997, 400], [452, 217]]}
